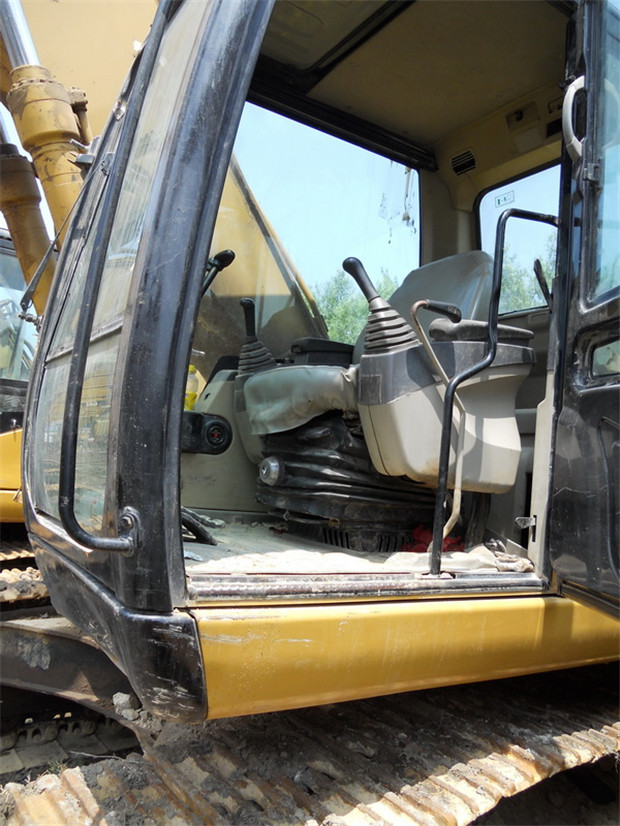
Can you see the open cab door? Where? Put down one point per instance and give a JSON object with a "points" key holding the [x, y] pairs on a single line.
{"points": [[585, 484]]}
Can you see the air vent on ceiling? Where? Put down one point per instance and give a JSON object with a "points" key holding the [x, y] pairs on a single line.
{"points": [[463, 163]]}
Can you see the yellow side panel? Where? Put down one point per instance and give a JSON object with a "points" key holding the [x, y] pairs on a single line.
{"points": [[10, 459], [10, 476], [11, 508], [274, 658]]}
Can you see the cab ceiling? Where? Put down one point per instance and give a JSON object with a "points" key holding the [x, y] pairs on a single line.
{"points": [[412, 72]]}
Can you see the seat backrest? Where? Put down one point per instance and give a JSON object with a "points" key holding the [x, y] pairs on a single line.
{"points": [[464, 279]]}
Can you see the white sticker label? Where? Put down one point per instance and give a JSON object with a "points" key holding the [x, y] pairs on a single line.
{"points": [[505, 199]]}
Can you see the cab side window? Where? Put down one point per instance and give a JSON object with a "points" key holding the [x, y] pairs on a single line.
{"points": [[526, 241]]}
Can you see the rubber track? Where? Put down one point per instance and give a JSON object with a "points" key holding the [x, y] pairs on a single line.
{"points": [[436, 758], [11, 555], [19, 585], [20, 581], [56, 740], [14, 544]]}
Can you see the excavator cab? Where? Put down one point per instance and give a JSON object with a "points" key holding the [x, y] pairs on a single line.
{"points": [[247, 515], [17, 346]]}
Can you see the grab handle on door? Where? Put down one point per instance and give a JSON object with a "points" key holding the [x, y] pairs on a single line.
{"points": [[573, 144]]}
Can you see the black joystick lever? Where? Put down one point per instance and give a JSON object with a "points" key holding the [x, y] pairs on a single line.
{"points": [[217, 263], [355, 268], [222, 259], [385, 330], [249, 318], [254, 356]]}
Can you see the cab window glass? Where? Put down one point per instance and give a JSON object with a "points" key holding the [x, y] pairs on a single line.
{"points": [[17, 337], [325, 200], [156, 125], [295, 204], [526, 241], [157, 121]]}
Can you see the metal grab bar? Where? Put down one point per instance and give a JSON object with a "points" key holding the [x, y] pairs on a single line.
{"points": [[459, 378]]}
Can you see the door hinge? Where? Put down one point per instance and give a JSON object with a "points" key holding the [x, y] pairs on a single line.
{"points": [[592, 172]]}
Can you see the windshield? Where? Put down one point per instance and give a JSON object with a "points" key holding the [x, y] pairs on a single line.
{"points": [[296, 203], [328, 199]]}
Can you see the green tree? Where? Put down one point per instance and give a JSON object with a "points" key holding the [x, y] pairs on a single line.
{"points": [[345, 309], [343, 306]]}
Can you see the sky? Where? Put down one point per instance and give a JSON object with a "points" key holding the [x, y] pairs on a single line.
{"points": [[328, 199]]}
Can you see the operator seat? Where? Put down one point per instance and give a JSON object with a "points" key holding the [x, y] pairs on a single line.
{"points": [[393, 387]]}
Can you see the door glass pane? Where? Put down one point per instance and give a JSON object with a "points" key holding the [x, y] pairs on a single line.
{"points": [[155, 128], [67, 324], [93, 429], [156, 125], [47, 436], [607, 268]]}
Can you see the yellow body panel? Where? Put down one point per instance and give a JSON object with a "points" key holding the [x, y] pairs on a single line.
{"points": [[99, 37], [10, 459], [11, 508], [10, 476], [274, 658]]}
